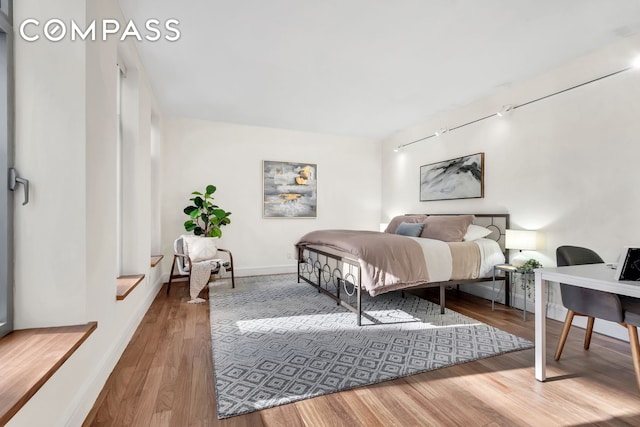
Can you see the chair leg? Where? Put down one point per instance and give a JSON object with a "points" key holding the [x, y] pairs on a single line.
{"points": [[635, 350], [233, 276], [230, 269], [171, 274], [589, 332], [565, 333]]}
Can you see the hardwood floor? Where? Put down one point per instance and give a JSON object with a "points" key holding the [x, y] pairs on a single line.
{"points": [[165, 378]]}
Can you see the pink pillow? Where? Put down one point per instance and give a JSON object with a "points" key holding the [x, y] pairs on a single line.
{"points": [[448, 228]]}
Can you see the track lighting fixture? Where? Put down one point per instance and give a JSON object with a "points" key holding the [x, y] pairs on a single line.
{"points": [[506, 109]]}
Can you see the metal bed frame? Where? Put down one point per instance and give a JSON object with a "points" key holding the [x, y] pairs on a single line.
{"points": [[330, 271]]}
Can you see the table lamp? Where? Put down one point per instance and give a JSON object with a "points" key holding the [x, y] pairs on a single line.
{"points": [[522, 240]]}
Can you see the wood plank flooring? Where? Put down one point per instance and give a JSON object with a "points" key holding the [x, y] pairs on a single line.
{"points": [[165, 378]]}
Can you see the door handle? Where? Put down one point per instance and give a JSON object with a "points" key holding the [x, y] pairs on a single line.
{"points": [[14, 180]]}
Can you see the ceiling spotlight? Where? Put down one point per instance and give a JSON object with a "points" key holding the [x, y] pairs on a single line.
{"points": [[395, 150], [506, 109], [441, 131]]}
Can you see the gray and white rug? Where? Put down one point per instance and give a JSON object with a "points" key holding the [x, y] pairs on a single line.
{"points": [[276, 341]]}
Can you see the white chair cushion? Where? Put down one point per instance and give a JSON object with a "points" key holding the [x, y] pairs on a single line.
{"points": [[200, 248]]}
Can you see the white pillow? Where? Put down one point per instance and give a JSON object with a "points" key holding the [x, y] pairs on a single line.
{"points": [[475, 232], [200, 248]]}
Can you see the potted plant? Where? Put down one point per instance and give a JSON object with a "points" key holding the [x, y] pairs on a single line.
{"points": [[526, 280], [206, 218]]}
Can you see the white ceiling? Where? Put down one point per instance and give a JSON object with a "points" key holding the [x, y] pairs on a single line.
{"points": [[361, 67]]}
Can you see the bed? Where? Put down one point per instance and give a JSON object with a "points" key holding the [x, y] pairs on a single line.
{"points": [[416, 251]]}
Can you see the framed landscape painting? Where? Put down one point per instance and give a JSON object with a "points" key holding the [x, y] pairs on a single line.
{"points": [[289, 189], [460, 178]]}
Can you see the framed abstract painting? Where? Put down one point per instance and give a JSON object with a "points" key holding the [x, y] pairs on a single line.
{"points": [[460, 178], [289, 189]]}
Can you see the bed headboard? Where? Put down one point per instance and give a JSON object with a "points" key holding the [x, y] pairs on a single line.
{"points": [[497, 223]]}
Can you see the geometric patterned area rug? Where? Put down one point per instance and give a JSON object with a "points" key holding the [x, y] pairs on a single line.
{"points": [[277, 341]]}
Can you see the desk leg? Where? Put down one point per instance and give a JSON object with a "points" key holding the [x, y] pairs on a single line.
{"points": [[524, 297], [493, 290], [507, 289], [541, 328]]}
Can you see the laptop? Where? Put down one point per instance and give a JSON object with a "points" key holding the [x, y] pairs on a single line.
{"points": [[629, 264]]}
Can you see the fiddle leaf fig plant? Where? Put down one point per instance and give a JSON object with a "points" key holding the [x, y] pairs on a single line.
{"points": [[205, 218]]}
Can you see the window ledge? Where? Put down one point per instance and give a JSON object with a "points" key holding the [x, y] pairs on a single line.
{"points": [[155, 259], [29, 357], [126, 284]]}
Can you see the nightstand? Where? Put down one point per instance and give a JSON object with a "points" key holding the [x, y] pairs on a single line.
{"points": [[508, 269]]}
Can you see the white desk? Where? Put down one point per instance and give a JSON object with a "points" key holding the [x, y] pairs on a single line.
{"points": [[592, 276]]}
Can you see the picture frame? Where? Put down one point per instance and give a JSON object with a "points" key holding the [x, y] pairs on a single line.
{"points": [[629, 265], [459, 178], [289, 189]]}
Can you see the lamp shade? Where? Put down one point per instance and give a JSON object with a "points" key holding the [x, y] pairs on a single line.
{"points": [[524, 240]]}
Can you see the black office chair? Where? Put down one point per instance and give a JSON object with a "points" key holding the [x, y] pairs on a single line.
{"points": [[593, 303]]}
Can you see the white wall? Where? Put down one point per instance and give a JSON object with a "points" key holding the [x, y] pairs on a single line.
{"points": [[155, 224], [229, 156], [65, 247], [42, 128], [566, 165]]}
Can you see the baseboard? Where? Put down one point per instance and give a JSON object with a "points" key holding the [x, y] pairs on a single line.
{"points": [[264, 271], [554, 311], [604, 327], [482, 290], [254, 271], [83, 404]]}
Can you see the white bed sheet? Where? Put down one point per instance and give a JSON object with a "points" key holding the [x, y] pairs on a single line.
{"points": [[438, 258], [490, 255], [440, 264]]}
